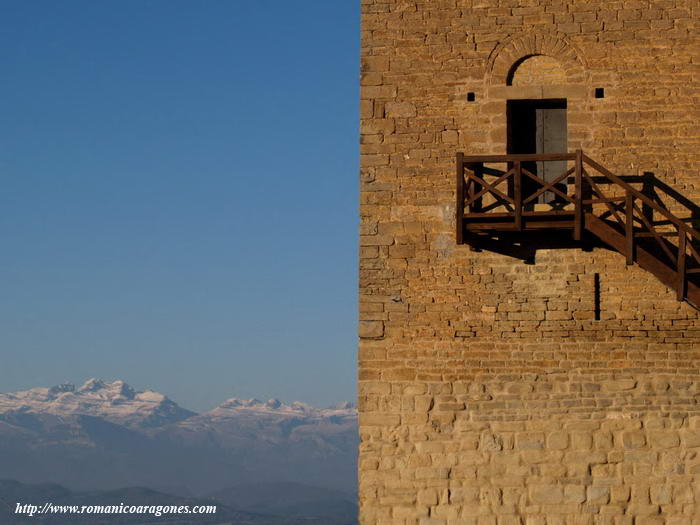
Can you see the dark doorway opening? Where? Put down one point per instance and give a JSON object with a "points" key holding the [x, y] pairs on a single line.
{"points": [[538, 127]]}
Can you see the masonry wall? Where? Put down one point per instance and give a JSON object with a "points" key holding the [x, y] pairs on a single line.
{"points": [[488, 391]]}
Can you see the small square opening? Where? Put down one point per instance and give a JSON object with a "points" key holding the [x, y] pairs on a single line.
{"points": [[599, 92], [471, 96]]}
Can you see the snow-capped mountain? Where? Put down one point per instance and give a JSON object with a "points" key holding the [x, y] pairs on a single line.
{"points": [[236, 407], [118, 402], [115, 402], [251, 423], [106, 435]]}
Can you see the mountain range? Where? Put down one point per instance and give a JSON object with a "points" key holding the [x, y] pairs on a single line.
{"points": [[107, 436], [116, 402]]}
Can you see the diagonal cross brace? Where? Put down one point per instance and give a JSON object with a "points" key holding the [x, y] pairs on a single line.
{"points": [[549, 186], [489, 187]]}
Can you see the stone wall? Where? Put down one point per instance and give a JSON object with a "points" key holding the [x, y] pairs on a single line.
{"points": [[489, 392]]}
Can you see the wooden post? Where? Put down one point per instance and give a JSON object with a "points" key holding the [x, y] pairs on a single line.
{"points": [[459, 205], [629, 227], [578, 205], [680, 284], [649, 191], [518, 195]]}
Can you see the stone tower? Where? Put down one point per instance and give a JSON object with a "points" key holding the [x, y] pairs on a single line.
{"points": [[537, 366]]}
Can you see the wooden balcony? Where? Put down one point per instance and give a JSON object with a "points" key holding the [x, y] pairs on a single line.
{"points": [[507, 196]]}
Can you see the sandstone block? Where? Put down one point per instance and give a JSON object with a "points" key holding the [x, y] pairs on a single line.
{"points": [[620, 385], [660, 495], [371, 329], [683, 494], [558, 440], [400, 109], [598, 495], [529, 440], [581, 440], [431, 473], [546, 494], [619, 494], [633, 440], [375, 63], [379, 419], [428, 496], [664, 439], [574, 494]]}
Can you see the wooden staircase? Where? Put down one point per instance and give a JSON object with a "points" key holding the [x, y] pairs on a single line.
{"points": [[501, 200]]}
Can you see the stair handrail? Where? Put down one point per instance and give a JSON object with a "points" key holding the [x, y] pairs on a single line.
{"points": [[639, 195]]}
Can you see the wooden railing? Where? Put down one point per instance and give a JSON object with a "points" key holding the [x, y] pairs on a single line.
{"points": [[584, 196], [514, 201]]}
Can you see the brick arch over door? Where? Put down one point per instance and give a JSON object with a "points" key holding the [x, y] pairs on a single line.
{"points": [[512, 52]]}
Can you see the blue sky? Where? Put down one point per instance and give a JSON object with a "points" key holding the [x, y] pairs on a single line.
{"points": [[178, 199]]}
